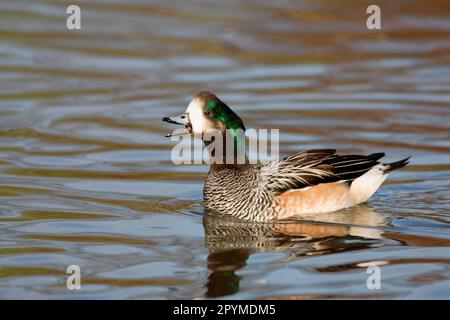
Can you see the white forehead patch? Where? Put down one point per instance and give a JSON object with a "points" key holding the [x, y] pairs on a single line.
{"points": [[196, 103], [195, 112]]}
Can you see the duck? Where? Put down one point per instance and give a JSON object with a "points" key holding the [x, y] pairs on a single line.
{"points": [[303, 184]]}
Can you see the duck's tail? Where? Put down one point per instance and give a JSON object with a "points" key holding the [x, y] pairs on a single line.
{"points": [[388, 167], [365, 186]]}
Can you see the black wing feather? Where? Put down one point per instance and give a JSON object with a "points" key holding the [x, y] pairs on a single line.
{"points": [[350, 167]]}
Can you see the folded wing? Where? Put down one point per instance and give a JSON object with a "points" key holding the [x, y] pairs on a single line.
{"points": [[312, 167]]}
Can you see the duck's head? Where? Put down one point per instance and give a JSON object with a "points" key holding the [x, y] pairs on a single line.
{"points": [[206, 112]]}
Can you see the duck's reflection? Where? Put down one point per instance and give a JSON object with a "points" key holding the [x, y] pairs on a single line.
{"points": [[231, 242]]}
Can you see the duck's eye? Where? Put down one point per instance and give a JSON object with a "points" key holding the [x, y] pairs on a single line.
{"points": [[207, 113]]}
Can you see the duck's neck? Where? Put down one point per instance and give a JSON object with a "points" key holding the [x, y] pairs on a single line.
{"points": [[230, 153]]}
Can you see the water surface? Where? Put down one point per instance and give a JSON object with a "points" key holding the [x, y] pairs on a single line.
{"points": [[85, 171]]}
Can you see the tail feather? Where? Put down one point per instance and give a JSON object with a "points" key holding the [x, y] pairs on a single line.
{"points": [[395, 165]]}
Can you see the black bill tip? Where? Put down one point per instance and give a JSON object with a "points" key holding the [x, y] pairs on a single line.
{"points": [[167, 119]]}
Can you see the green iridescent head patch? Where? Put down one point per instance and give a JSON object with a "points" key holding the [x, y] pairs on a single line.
{"points": [[221, 112]]}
